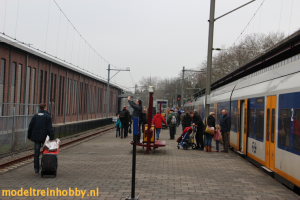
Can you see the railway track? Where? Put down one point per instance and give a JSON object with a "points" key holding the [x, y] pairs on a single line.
{"points": [[63, 144]]}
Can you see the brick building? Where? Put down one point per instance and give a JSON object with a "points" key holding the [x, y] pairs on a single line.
{"points": [[28, 77]]}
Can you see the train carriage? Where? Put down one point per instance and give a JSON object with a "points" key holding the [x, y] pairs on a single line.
{"points": [[265, 112]]}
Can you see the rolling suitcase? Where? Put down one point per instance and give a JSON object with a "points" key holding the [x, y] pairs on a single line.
{"points": [[49, 164], [49, 161]]}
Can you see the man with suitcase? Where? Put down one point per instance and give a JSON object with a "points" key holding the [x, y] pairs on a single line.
{"points": [[39, 127]]}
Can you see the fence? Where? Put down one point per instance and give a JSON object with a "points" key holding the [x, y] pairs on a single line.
{"points": [[14, 121], [14, 126], [71, 129]]}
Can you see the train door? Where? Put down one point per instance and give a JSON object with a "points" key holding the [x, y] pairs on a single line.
{"points": [[240, 120], [270, 132], [244, 126]]}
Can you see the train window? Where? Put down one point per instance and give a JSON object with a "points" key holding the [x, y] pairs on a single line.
{"points": [[259, 123], [273, 125], [62, 96], [259, 100], [268, 125], [284, 127], [251, 118], [297, 130]]}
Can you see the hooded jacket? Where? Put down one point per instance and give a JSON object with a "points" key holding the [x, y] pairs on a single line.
{"points": [[40, 126], [157, 121]]}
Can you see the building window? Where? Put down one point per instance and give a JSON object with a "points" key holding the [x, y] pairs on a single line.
{"points": [[45, 88], [32, 90], [59, 94], [2, 83], [62, 95], [41, 86]]}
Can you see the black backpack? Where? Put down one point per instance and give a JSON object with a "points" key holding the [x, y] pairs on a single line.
{"points": [[122, 115]]}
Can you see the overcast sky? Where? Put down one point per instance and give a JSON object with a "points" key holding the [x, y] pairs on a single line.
{"points": [[149, 36]]}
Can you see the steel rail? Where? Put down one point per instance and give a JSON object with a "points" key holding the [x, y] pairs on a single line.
{"points": [[18, 160]]}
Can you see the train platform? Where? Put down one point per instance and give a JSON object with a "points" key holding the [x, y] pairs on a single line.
{"points": [[100, 168]]}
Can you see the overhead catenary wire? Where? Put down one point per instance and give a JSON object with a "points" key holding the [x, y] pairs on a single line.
{"points": [[17, 19], [248, 23], [47, 25], [4, 17], [90, 71], [291, 17], [280, 15], [58, 33]]}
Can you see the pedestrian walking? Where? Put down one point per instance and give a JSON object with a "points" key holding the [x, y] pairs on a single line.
{"points": [[225, 124], [199, 134], [211, 122], [39, 127], [157, 122], [118, 125], [172, 121], [137, 111], [125, 120], [216, 137]]}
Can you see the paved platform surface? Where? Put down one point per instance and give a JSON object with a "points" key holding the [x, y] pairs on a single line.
{"points": [[167, 173]]}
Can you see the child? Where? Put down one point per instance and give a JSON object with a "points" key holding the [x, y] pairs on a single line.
{"points": [[217, 137], [118, 125]]}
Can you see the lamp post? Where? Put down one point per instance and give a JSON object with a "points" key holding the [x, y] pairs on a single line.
{"points": [[108, 79], [151, 91]]}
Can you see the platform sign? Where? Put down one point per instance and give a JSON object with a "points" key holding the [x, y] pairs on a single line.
{"points": [[114, 119], [136, 126]]}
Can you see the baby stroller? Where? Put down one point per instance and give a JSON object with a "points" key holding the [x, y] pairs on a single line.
{"points": [[186, 140]]}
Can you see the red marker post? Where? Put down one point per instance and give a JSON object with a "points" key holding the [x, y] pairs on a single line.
{"points": [[151, 91]]}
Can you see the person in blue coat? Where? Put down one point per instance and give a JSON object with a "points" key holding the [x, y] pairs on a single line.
{"points": [[119, 126], [40, 126]]}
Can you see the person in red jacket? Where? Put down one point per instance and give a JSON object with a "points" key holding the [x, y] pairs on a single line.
{"points": [[157, 123]]}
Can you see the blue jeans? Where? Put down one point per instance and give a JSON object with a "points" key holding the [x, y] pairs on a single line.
{"points": [[37, 147], [217, 145], [118, 131], [158, 132], [208, 139]]}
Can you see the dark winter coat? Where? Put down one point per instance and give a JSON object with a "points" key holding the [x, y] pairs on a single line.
{"points": [[211, 121], [225, 124], [198, 121], [137, 109], [126, 118], [40, 126], [187, 120]]}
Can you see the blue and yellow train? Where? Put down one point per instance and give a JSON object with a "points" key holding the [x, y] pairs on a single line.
{"points": [[265, 118]]}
